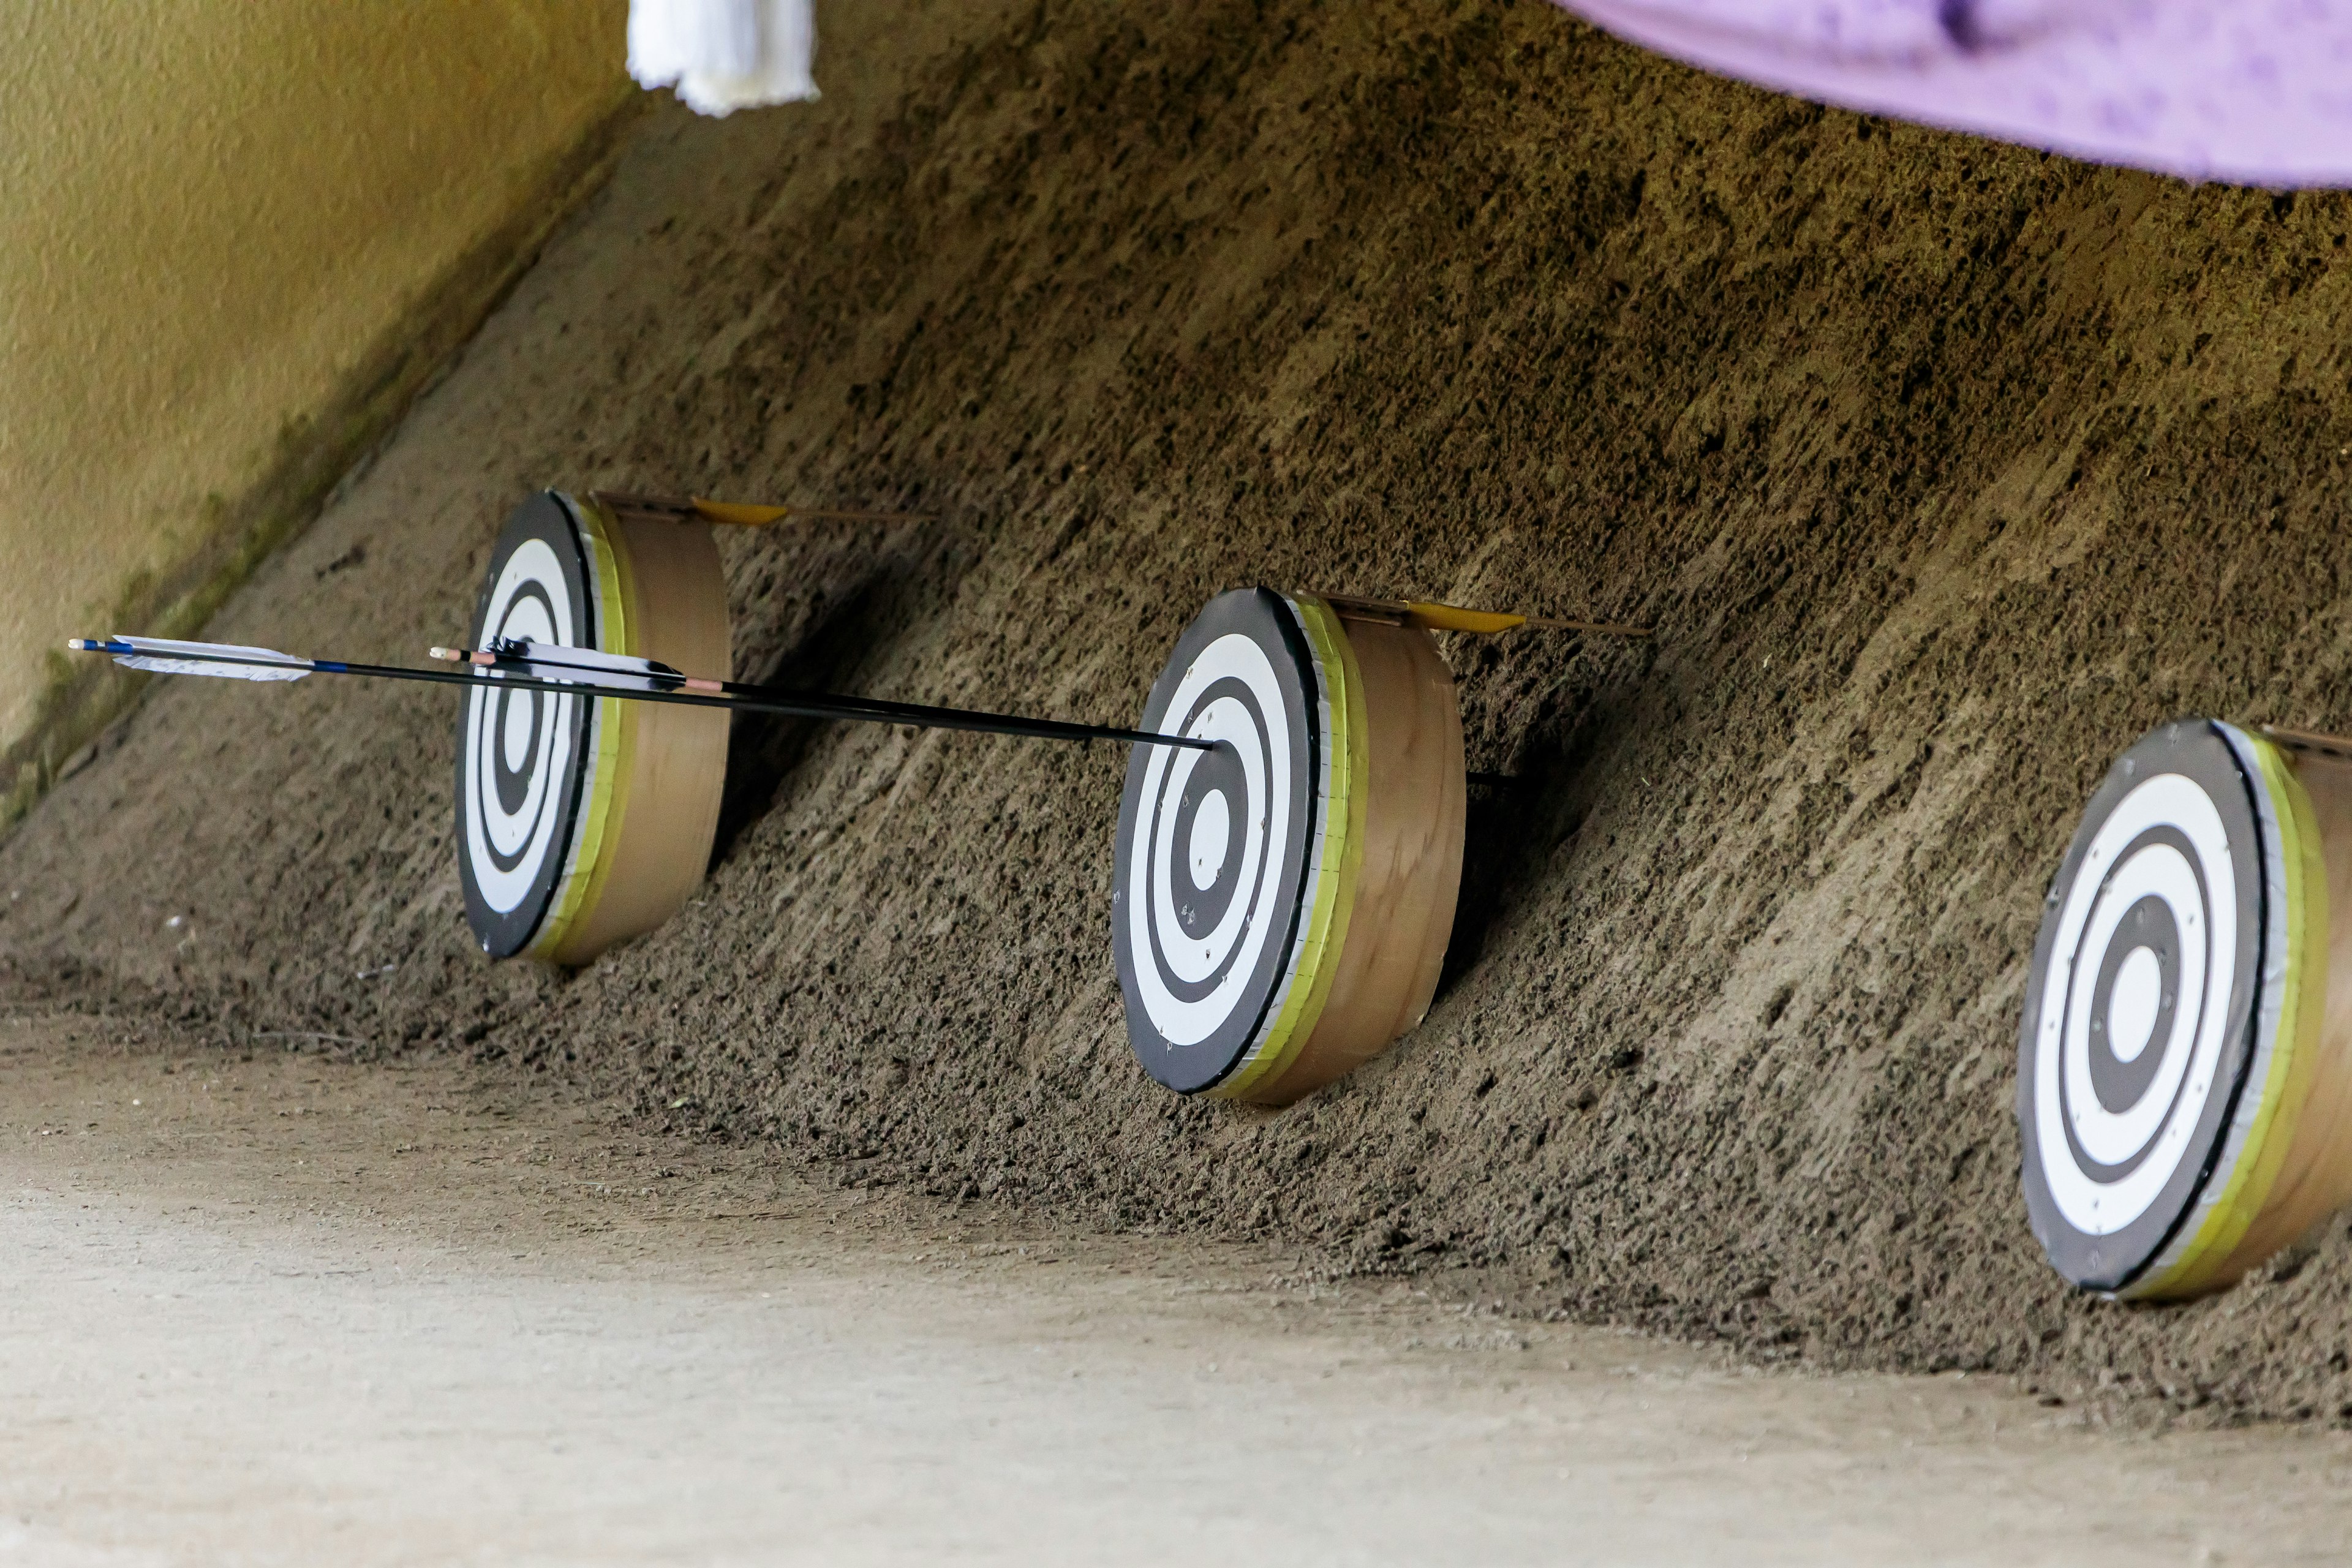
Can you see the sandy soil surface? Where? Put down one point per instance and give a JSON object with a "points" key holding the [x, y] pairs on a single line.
{"points": [[272, 1309], [1945, 469]]}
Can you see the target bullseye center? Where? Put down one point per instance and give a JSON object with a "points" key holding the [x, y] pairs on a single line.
{"points": [[1213, 832], [516, 739], [2133, 1005]]}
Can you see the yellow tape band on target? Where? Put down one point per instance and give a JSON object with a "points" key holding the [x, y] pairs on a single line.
{"points": [[2278, 1096], [613, 726], [1337, 862], [1355, 742]]}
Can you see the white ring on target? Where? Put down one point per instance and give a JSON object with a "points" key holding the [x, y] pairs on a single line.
{"points": [[517, 739], [2096, 903], [530, 830], [1241, 934], [2135, 1004], [1211, 835]]}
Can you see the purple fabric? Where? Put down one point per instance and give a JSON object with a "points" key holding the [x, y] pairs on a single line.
{"points": [[2258, 92]]}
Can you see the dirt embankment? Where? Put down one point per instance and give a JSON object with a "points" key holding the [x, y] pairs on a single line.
{"points": [[1944, 468]]}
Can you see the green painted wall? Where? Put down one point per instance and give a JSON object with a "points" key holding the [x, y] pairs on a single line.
{"points": [[218, 214]]}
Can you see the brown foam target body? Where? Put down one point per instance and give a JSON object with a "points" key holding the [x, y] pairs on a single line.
{"points": [[1411, 877], [584, 820], [667, 812], [1282, 903], [2314, 1177]]}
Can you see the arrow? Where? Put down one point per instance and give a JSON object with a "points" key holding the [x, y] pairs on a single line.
{"points": [[578, 671], [738, 514], [1437, 618], [629, 676]]}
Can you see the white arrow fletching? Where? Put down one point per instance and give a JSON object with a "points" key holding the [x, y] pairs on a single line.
{"points": [[591, 666], [162, 655]]}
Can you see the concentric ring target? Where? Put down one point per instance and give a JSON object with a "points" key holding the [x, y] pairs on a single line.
{"points": [[585, 820], [1281, 902], [2171, 1017], [1217, 846], [519, 753]]}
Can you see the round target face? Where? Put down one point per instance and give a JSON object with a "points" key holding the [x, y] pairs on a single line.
{"points": [[524, 757], [1217, 848], [2145, 1001]]}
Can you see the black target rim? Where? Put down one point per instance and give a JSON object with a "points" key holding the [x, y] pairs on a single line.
{"points": [[544, 518], [2199, 751], [1267, 620]]}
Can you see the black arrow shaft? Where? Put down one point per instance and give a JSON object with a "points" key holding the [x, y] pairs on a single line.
{"points": [[742, 699]]}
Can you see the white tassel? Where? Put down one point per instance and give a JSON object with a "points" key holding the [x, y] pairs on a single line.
{"points": [[155, 654], [725, 54], [592, 667]]}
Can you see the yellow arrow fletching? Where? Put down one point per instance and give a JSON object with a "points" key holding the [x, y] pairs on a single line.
{"points": [[1435, 617], [739, 514], [1454, 618]]}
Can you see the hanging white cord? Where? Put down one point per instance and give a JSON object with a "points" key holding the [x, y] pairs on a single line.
{"points": [[725, 54]]}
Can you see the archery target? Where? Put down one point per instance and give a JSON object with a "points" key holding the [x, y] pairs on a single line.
{"points": [[521, 754], [1246, 964], [584, 820], [2170, 1019], [1215, 848]]}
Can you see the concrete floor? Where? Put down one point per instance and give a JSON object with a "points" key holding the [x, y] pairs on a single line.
{"points": [[287, 1311]]}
